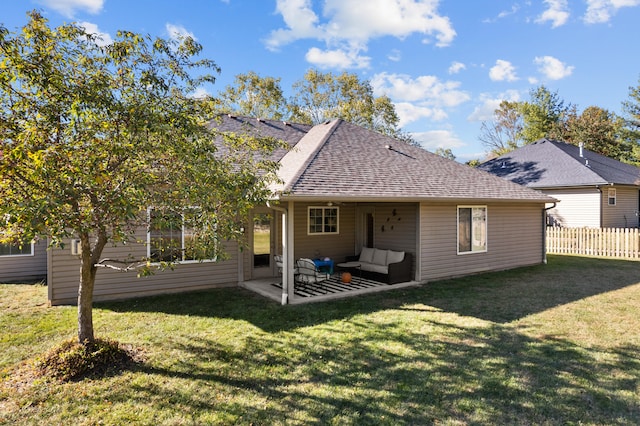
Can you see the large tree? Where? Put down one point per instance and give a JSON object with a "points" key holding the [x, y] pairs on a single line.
{"points": [[254, 96], [544, 115], [631, 130], [600, 131], [322, 96], [92, 136], [504, 133]]}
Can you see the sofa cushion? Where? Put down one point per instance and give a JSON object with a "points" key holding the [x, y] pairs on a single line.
{"points": [[372, 267], [380, 257], [394, 256], [366, 255]]}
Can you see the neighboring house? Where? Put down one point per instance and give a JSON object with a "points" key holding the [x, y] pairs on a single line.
{"points": [[25, 263], [344, 188], [594, 191]]}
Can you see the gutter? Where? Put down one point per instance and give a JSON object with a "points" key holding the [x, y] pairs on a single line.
{"points": [[544, 232]]}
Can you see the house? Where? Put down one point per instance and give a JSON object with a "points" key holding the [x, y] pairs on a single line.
{"points": [[26, 263], [343, 188], [594, 191]]}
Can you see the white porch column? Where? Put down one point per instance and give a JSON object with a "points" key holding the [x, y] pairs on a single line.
{"points": [[289, 259]]}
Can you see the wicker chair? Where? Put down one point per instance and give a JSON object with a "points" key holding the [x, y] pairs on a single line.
{"points": [[308, 273]]}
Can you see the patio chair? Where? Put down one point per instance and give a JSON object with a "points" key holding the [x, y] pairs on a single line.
{"points": [[278, 259], [308, 273]]}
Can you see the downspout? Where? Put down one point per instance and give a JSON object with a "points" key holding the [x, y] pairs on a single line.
{"points": [[285, 256], [600, 202], [544, 232]]}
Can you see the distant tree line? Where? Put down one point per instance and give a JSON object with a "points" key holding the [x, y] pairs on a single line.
{"points": [[546, 115]]}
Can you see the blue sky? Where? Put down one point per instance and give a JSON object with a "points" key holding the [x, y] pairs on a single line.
{"points": [[445, 64]]}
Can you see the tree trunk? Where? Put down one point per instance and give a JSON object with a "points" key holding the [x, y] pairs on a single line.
{"points": [[85, 299], [88, 271]]}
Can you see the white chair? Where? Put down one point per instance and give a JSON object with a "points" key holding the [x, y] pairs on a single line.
{"points": [[308, 273], [278, 259]]}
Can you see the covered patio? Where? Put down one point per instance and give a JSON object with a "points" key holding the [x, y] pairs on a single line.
{"points": [[330, 289]]}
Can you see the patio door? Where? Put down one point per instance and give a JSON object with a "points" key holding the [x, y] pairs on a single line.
{"points": [[365, 227], [262, 245]]}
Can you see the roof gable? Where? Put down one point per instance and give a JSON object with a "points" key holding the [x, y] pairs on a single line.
{"points": [[547, 163]]}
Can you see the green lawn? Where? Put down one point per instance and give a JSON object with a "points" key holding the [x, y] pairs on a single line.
{"points": [[554, 344]]}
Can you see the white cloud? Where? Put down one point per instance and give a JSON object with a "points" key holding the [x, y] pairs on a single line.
{"points": [[178, 31], [553, 68], [417, 98], [488, 104], [301, 21], [395, 55], [503, 71], [355, 23], [426, 89], [200, 93], [503, 14], [456, 67], [600, 11], [557, 13], [337, 58], [409, 113], [434, 139], [103, 38], [69, 8]]}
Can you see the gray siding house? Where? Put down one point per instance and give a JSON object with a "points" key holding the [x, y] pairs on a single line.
{"points": [[343, 188], [23, 264], [594, 191]]}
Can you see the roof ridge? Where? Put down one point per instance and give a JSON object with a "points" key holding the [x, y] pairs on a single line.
{"points": [[557, 145], [295, 162]]}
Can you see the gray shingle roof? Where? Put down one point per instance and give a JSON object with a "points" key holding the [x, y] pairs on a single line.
{"points": [[341, 160], [338, 160], [290, 133], [548, 164]]}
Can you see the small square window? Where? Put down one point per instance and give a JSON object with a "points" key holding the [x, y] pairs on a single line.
{"points": [[323, 220], [611, 196]]}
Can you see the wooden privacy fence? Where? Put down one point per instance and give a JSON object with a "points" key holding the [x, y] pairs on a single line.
{"points": [[605, 242]]}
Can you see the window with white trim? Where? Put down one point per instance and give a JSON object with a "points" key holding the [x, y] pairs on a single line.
{"points": [[323, 220], [171, 239], [611, 196], [25, 249], [472, 229]]}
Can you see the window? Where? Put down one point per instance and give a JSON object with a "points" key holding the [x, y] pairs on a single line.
{"points": [[472, 229], [25, 249], [611, 195], [170, 238], [323, 220]]}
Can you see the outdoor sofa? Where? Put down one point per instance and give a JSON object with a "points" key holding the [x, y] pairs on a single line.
{"points": [[387, 266]]}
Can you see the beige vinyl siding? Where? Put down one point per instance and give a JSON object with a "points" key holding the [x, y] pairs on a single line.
{"points": [[396, 231], [25, 268], [624, 213], [515, 238], [577, 208], [336, 246], [64, 275]]}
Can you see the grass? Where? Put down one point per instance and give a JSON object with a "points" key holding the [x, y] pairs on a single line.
{"points": [[552, 344]]}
